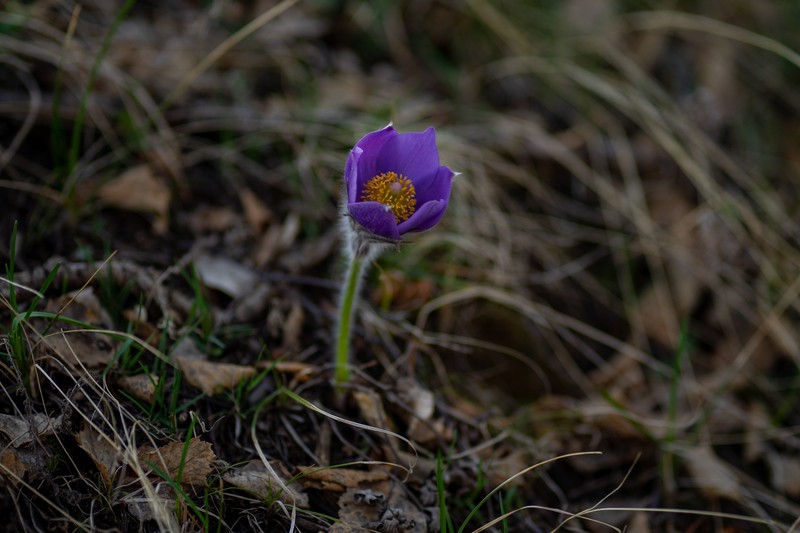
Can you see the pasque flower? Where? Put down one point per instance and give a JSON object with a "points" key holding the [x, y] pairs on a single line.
{"points": [[395, 185]]}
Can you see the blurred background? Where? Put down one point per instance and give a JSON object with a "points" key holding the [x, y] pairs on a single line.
{"points": [[618, 269]]}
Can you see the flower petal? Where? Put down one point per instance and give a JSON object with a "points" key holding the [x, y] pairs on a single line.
{"points": [[351, 173], [425, 217], [414, 155], [376, 218], [362, 163], [437, 187]]}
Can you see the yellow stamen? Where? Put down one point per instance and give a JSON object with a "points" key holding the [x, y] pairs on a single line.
{"points": [[393, 190]]}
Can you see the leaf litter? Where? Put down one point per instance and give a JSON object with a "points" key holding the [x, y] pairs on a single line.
{"points": [[622, 204]]}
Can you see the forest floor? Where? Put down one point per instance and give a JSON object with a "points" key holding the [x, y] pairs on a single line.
{"points": [[602, 334]]}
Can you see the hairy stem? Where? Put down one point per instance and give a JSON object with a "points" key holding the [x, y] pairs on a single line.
{"points": [[346, 307]]}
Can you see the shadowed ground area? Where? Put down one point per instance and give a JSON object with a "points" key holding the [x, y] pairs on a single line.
{"points": [[601, 334]]}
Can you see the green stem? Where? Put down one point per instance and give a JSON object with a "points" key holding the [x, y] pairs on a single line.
{"points": [[346, 307]]}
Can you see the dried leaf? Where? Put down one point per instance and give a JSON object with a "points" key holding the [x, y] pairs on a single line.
{"points": [[421, 400], [657, 315], [82, 305], [338, 479], [213, 219], [142, 328], [639, 523], [383, 506], [268, 246], [502, 468], [712, 476], [785, 473], [301, 371], [103, 453], [225, 275], [265, 483], [12, 466], [210, 377], [403, 293], [142, 386], [21, 432], [193, 468], [428, 431], [139, 190], [293, 326], [256, 213], [78, 348], [371, 407], [144, 508]]}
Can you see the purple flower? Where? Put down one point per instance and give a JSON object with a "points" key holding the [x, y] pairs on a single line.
{"points": [[395, 184]]}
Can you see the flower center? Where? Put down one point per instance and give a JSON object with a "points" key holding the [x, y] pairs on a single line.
{"points": [[394, 191]]}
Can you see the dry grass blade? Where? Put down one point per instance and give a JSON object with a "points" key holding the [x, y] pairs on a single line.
{"points": [[408, 468], [519, 474], [651, 20], [616, 269], [223, 48]]}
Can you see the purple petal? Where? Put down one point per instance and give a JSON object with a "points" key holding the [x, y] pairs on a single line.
{"points": [[424, 218], [362, 163], [376, 218], [436, 187], [351, 173], [414, 155]]}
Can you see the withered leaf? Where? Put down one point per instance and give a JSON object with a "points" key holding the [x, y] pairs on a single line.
{"points": [[142, 386], [103, 453], [193, 468], [338, 479], [256, 478], [139, 190], [383, 506], [785, 473], [211, 377], [371, 407], [711, 475], [12, 466], [256, 213], [21, 431], [225, 275]]}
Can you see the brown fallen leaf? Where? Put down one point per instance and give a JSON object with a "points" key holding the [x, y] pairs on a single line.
{"points": [[256, 213], [106, 457], [371, 408], [139, 190], [256, 478], [301, 371], [711, 475], [206, 219], [422, 402], [193, 468], [402, 292], [293, 326], [82, 305], [784, 473], [77, 348], [144, 508], [382, 506], [21, 431], [211, 377], [142, 327], [225, 275], [142, 386], [639, 522], [12, 466], [337, 479]]}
